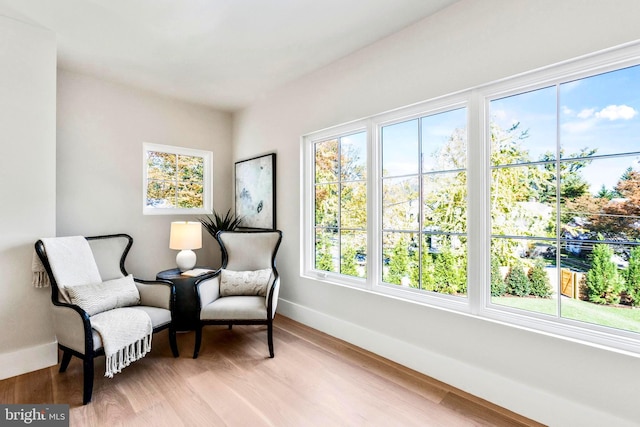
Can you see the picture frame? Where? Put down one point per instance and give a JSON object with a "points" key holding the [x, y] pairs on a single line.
{"points": [[255, 192]]}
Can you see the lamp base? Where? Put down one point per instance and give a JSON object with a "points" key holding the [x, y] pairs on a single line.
{"points": [[186, 260]]}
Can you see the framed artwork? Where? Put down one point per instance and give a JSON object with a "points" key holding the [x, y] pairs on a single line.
{"points": [[256, 192]]}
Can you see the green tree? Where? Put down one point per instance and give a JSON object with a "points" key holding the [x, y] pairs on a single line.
{"points": [[398, 263], [446, 275], [428, 271], [511, 189], [604, 282], [348, 264], [605, 193], [632, 276], [324, 259], [445, 194], [517, 281], [572, 183], [498, 286], [539, 279]]}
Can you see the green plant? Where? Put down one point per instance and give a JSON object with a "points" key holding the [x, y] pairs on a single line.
{"points": [[398, 263], [348, 264], [446, 274], [604, 282], [539, 279], [324, 260], [228, 222], [498, 287], [517, 281], [633, 276]]}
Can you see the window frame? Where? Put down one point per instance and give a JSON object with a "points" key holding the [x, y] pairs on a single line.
{"points": [[307, 207], [478, 302], [207, 184], [417, 111], [579, 68]]}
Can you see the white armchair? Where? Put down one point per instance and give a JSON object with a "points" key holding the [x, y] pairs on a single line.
{"points": [[72, 324], [245, 290]]}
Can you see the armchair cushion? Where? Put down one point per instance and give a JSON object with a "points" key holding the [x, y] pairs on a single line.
{"points": [[98, 297], [235, 308], [244, 283]]}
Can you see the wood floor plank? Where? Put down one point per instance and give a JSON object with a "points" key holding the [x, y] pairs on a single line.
{"points": [[314, 380], [8, 390], [37, 385], [425, 386], [228, 403], [160, 414]]}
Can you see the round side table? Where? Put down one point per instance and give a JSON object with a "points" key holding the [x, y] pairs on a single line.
{"points": [[187, 308]]}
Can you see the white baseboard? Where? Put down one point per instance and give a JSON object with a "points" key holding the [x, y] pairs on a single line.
{"points": [[28, 360], [547, 408]]}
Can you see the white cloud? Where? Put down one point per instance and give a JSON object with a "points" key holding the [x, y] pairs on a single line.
{"points": [[617, 112], [586, 113], [566, 110]]}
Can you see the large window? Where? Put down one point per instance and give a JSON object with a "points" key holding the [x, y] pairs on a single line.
{"points": [[565, 199], [424, 202], [340, 204], [176, 180], [516, 201]]}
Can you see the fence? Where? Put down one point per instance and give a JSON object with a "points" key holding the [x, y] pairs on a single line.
{"points": [[570, 283]]}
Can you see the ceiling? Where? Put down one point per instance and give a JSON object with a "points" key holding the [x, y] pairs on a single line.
{"points": [[221, 53]]}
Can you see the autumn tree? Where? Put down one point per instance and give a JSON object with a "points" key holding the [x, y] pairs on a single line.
{"points": [[621, 216], [175, 180]]}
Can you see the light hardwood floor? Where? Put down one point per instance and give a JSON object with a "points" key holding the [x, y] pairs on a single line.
{"points": [[314, 380]]}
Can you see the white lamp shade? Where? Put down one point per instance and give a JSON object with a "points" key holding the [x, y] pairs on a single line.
{"points": [[185, 235]]}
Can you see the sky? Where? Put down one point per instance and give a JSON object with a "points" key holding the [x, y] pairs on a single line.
{"points": [[400, 148], [601, 112]]}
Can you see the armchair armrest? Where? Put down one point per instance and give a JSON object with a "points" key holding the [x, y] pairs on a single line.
{"points": [[72, 327], [156, 293], [272, 296], [208, 288]]}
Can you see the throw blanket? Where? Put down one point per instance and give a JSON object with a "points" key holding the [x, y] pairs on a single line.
{"points": [[40, 278], [72, 263], [125, 332], [126, 335]]}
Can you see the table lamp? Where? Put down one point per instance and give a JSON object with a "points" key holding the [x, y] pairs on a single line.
{"points": [[185, 236]]}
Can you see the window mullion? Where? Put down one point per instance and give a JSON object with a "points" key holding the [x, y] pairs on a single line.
{"points": [[558, 207], [374, 206], [478, 217]]}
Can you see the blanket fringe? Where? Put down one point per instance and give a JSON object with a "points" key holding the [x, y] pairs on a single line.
{"points": [[116, 362], [40, 278]]}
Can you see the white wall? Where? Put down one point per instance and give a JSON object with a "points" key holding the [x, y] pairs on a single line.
{"points": [[27, 191], [552, 380], [100, 129]]}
